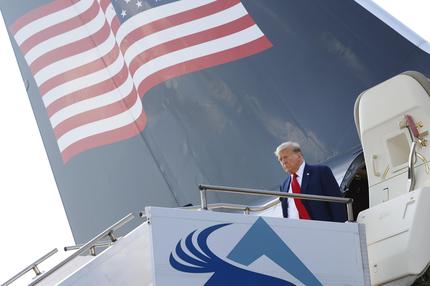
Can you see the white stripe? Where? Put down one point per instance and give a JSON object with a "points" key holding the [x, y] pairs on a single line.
{"points": [[104, 125], [92, 103], [75, 61], [83, 82], [51, 19], [157, 13], [110, 13], [197, 51], [66, 38], [214, 20]]}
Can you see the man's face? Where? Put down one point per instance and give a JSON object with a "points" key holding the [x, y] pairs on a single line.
{"points": [[290, 160]]}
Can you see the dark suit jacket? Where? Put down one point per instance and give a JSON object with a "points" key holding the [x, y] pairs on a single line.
{"points": [[318, 180]]}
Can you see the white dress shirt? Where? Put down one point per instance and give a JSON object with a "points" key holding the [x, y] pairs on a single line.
{"points": [[292, 209]]}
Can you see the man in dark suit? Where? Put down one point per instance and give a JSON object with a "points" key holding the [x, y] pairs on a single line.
{"points": [[308, 179]]}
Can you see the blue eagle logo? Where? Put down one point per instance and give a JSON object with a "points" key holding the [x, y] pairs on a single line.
{"points": [[203, 260]]}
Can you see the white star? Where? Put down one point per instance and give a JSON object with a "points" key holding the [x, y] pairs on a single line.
{"points": [[127, 1], [139, 3], [123, 13]]}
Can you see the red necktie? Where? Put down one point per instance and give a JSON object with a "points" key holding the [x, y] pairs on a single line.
{"points": [[303, 213]]}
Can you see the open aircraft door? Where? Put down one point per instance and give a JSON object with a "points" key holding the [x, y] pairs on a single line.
{"points": [[392, 119]]}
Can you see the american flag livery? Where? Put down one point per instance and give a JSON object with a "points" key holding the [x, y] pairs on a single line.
{"points": [[92, 60]]}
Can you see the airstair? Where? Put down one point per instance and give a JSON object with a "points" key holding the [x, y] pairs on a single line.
{"points": [[208, 247]]}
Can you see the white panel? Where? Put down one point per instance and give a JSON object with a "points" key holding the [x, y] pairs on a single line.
{"points": [[385, 139], [325, 253], [398, 233], [127, 262], [331, 251]]}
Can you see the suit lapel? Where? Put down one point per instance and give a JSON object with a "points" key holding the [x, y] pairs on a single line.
{"points": [[287, 185], [305, 180]]}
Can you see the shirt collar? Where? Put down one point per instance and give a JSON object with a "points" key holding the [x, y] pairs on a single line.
{"points": [[301, 170]]}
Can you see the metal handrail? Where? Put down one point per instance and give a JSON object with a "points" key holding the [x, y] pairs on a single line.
{"points": [[205, 188], [75, 247], [108, 232], [409, 123], [245, 208], [411, 166], [32, 266], [92, 248]]}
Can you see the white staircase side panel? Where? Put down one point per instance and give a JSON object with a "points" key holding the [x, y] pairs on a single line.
{"points": [[184, 248], [66, 270], [127, 262], [398, 235], [334, 253]]}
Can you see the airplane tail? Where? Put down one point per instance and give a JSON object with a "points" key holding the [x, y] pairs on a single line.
{"points": [[137, 105]]}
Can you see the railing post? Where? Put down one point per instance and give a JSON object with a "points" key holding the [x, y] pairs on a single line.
{"points": [[112, 236], [36, 270], [93, 250], [203, 199], [349, 211]]}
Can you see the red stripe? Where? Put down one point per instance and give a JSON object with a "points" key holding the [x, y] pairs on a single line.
{"points": [[40, 12], [115, 25], [105, 138], [80, 71], [96, 114], [229, 55], [175, 20], [71, 49], [104, 4], [61, 28], [190, 40], [89, 92]]}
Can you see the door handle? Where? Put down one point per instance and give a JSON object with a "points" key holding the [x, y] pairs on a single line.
{"points": [[376, 173]]}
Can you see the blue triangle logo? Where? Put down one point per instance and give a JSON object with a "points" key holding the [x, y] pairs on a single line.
{"points": [[262, 240]]}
